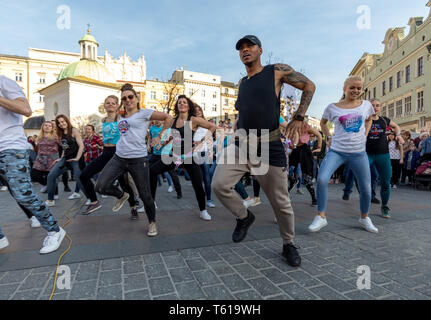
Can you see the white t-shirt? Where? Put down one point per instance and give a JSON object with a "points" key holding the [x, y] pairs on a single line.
{"points": [[133, 131], [349, 126], [198, 136], [12, 134]]}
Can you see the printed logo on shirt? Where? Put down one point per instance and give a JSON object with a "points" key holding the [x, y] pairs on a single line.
{"points": [[351, 122], [376, 131], [123, 126]]}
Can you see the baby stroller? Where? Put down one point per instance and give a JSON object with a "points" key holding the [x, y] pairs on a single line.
{"points": [[423, 175]]}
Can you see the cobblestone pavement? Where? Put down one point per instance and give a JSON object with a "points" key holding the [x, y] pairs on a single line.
{"points": [[399, 257]]}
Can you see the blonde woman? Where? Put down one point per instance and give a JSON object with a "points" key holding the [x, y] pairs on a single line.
{"points": [[352, 122]]}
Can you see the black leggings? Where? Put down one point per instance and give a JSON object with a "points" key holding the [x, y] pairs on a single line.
{"points": [[396, 170], [194, 172], [97, 166], [256, 188], [302, 155], [176, 181], [139, 170]]}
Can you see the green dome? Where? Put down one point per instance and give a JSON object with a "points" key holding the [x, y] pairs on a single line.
{"points": [[89, 69], [88, 37]]}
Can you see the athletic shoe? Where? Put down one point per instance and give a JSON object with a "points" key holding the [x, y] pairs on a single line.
{"points": [[256, 202], [368, 225], [134, 214], [205, 215], [44, 189], [385, 212], [179, 195], [210, 204], [67, 189], [34, 223], [318, 223], [91, 208], [56, 197], [4, 188], [120, 202], [141, 209], [314, 180], [299, 191], [155, 204], [152, 229], [275, 220], [74, 195], [347, 197], [375, 200], [103, 196], [247, 203], [87, 203], [50, 203], [170, 189], [242, 226], [314, 202], [52, 241], [3, 243], [394, 186], [291, 254]]}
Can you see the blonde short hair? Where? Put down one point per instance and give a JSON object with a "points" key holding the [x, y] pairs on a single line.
{"points": [[353, 78]]}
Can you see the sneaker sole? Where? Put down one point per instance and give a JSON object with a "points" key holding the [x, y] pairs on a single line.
{"points": [[256, 204], [369, 230], [318, 229], [59, 243], [118, 207], [92, 210], [152, 234], [5, 245]]}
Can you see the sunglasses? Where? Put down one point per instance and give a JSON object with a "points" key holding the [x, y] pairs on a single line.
{"points": [[127, 97]]}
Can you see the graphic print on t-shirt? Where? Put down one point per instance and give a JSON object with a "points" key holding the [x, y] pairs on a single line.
{"points": [[351, 122], [376, 131], [123, 126]]}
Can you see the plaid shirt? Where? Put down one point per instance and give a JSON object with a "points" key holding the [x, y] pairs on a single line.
{"points": [[91, 151]]}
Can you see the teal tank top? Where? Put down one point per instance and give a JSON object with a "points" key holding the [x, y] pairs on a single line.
{"points": [[110, 132]]}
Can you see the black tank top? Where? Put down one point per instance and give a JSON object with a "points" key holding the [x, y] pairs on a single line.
{"points": [[178, 134], [259, 108]]}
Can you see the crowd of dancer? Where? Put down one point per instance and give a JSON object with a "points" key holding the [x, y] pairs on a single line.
{"points": [[138, 147]]}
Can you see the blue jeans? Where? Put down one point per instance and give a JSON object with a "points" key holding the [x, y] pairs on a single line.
{"points": [[15, 174], [205, 169], [59, 168], [349, 179], [358, 163], [297, 175]]}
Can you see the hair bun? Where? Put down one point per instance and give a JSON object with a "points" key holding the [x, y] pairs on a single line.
{"points": [[126, 87]]}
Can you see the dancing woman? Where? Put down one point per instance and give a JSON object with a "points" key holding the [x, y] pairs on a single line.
{"points": [[111, 136], [352, 121], [131, 153], [185, 119]]}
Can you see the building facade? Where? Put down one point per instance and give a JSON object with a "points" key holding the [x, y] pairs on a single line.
{"points": [[400, 77]]}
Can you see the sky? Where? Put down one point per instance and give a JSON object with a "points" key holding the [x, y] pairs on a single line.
{"points": [[317, 37]]}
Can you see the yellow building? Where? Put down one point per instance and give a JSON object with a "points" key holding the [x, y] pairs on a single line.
{"points": [[228, 96], [161, 96], [400, 76]]}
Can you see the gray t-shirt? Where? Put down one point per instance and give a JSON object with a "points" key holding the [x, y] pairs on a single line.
{"points": [[12, 134], [133, 131]]}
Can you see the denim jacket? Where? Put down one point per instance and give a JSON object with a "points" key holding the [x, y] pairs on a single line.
{"points": [[426, 146]]}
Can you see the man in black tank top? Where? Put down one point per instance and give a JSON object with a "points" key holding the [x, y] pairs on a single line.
{"points": [[258, 104]]}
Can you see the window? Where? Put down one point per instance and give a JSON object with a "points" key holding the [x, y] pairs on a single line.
{"points": [[18, 77], [384, 111], [214, 107], [203, 93], [226, 91], [165, 96], [399, 109], [374, 93], [422, 122], [203, 106], [398, 79], [391, 84], [408, 78], [391, 111], [420, 107], [42, 78], [41, 98], [153, 95], [420, 66], [154, 107], [383, 88], [191, 92], [215, 95], [226, 102], [408, 106]]}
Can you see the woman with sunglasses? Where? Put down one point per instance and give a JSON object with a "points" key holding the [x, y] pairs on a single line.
{"points": [[131, 153], [111, 136], [185, 124]]}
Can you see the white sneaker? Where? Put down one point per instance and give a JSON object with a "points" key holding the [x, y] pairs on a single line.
{"points": [[74, 196], [4, 188], [256, 202], [3, 243], [210, 204], [120, 202], [248, 203], [318, 223], [87, 203], [299, 191], [152, 230], [170, 189], [141, 209], [34, 223], [44, 189], [56, 197], [52, 241], [205, 215], [156, 205], [50, 203], [394, 186], [368, 225]]}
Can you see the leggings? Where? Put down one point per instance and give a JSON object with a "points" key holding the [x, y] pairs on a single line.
{"points": [[396, 170], [176, 181], [256, 188], [302, 155], [96, 166], [192, 169], [138, 169]]}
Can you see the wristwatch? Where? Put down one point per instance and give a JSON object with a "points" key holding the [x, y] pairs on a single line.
{"points": [[298, 117]]}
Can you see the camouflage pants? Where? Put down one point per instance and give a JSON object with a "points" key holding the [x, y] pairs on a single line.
{"points": [[15, 174]]}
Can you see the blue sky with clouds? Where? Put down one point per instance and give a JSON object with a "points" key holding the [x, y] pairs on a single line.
{"points": [[319, 38]]}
